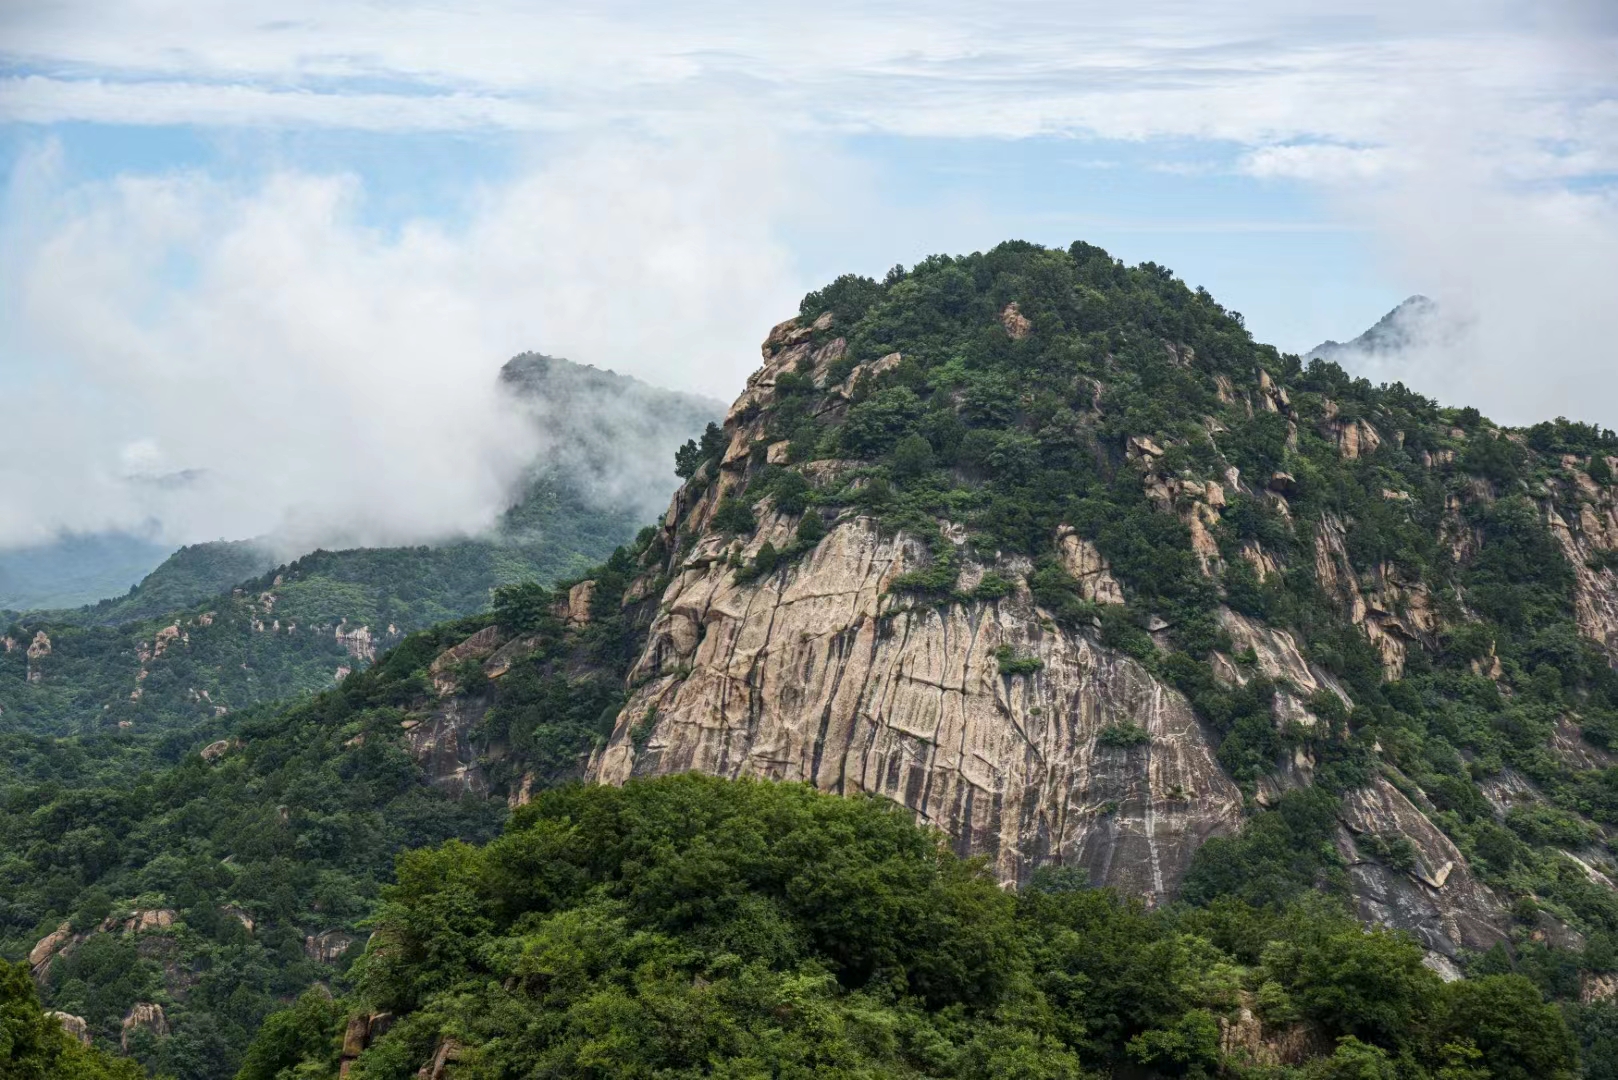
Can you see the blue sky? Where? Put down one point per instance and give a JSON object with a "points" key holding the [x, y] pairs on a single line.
{"points": [[329, 222]]}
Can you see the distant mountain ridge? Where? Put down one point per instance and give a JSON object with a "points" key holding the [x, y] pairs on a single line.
{"points": [[227, 624], [74, 569], [1416, 322]]}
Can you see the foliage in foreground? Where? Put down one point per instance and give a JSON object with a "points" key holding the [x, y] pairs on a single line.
{"points": [[34, 1045], [689, 926]]}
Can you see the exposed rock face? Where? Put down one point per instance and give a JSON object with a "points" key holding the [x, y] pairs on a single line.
{"points": [[1395, 614], [73, 1025], [38, 649], [1244, 1038], [1592, 533], [327, 946], [1437, 899], [1015, 322], [817, 672], [45, 950], [578, 602], [362, 1030], [357, 641], [1081, 559], [446, 1053], [479, 645], [442, 745], [817, 675], [143, 1014], [142, 922]]}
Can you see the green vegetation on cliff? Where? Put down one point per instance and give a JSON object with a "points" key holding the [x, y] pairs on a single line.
{"points": [[1412, 551], [1446, 573]]}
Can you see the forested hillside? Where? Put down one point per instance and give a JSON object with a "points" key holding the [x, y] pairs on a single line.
{"points": [[293, 629], [221, 626], [1157, 666]]}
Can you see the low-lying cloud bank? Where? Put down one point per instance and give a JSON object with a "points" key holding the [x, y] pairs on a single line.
{"points": [[235, 362]]}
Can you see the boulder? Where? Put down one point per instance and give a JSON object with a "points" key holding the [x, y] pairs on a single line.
{"points": [[73, 1025], [143, 1014]]}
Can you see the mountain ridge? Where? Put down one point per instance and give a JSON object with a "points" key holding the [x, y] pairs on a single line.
{"points": [[1046, 552]]}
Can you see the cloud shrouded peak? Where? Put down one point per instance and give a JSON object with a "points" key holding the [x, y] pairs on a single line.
{"points": [[241, 360]]}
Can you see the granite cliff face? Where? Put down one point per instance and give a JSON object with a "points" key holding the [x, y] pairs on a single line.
{"points": [[820, 675], [996, 721]]}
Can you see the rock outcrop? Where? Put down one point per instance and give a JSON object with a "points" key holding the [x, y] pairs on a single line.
{"points": [[75, 1026], [327, 946], [1435, 897], [1589, 540], [820, 671], [818, 674], [143, 1016]]}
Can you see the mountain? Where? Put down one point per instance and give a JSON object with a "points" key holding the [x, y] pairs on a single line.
{"points": [[1417, 322], [225, 625], [74, 569], [1206, 655]]}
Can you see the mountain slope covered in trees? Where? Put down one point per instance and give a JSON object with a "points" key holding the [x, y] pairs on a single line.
{"points": [[221, 626], [1386, 637]]}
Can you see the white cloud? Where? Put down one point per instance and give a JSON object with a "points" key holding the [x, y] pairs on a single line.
{"points": [[1258, 73], [336, 383], [325, 374], [1317, 162]]}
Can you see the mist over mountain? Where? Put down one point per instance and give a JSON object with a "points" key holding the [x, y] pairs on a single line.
{"points": [[606, 440], [75, 569], [1417, 322], [1037, 548]]}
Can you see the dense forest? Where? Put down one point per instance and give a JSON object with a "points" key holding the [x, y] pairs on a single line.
{"points": [[134, 666], [400, 874]]}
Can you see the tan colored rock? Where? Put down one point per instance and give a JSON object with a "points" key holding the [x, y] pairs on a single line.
{"points": [[46, 948], [817, 675], [73, 1025], [327, 946], [1354, 438], [1016, 324], [442, 745], [1279, 659], [507, 656], [479, 645], [1262, 562], [523, 794], [144, 921], [40, 647], [448, 1051], [357, 642], [1595, 592], [1143, 445], [1084, 562], [355, 1035], [215, 750], [1594, 988], [143, 1014], [1245, 1040], [578, 602], [779, 453]]}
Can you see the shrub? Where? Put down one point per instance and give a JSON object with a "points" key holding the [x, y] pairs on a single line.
{"points": [[1010, 663], [1123, 735]]}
